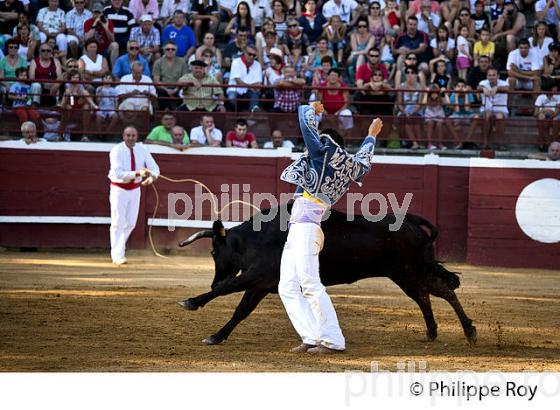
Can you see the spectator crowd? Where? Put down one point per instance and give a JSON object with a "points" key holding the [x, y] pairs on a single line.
{"points": [[438, 67]]}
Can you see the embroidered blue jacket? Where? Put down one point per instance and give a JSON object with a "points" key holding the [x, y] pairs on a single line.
{"points": [[325, 170]]}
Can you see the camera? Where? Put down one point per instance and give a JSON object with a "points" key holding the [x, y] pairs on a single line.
{"points": [[509, 12], [103, 19]]}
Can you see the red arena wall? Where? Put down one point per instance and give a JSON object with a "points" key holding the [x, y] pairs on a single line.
{"points": [[56, 195]]}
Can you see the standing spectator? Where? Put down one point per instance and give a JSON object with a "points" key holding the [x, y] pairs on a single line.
{"points": [[483, 47], [539, 42], [140, 8], [412, 41], [123, 64], [507, 28], [464, 56], [51, 21], [45, 67], [551, 67], [75, 20], [546, 112], [348, 10], [147, 37], [131, 164], [240, 137], [335, 100], [197, 93], [494, 104], [206, 133], [549, 12], [312, 21], [181, 34], [92, 65], [205, 17], [168, 69], [102, 31], [236, 48], [9, 12], [163, 134], [480, 18], [122, 20], [523, 69], [107, 98], [278, 141], [409, 106], [287, 98], [19, 94], [242, 18], [260, 9], [169, 7], [244, 75], [136, 92]]}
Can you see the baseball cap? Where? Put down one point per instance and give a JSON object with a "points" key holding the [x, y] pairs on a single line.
{"points": [[97, 7], [199, 63], [146, 17]]}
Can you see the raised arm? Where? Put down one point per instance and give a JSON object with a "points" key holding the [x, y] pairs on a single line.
{"points": [[308, 126], [365, 154]]}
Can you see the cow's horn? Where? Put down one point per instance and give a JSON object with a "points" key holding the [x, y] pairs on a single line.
{"points": [[196, 236]]}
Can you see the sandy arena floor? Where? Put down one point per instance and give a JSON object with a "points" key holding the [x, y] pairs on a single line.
{"points": [[77, 312]]}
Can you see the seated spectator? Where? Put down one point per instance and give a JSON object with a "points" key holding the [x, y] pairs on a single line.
{"points": [[147, 37], [439, 76], [23, 18], [549, 12], [51, 21], [198, 97], [496, 10], [10, 10], [373, 62], [19, 94], [268, 25], [483, 47], [169, 69], [478, 73], [540, 41], [29, 133], [163, 134], [45, 67], [206, 133], [136, 96], [348, 10], [547, 113], [450, 11], [523, 69], [295, 36], [315, 58], [312, 21], [205, 17], [278, 141], [168, 8], [336, 101], [140, 8], [260, 9], [297, 58], [378, 24], [57, 53], [412, 41], [335, 33], [76, 102], [461, 104], [123, 64], [393, 13], [494, 104], [212, 66], [410, 61], [209, 43], [435, 102], [244, 75], [74, 21], [375, 92], [10, 63], [508, 27], [270, 43], [443, 49], [236, 48], [122, 20], [361, 40], [409, 106], [27, 44], [242, 18], [480, 18], [107, 98], [287, 98], [181, 34], [464, 20], [320, 75], [280, 17], [428, 20], [415, 7], [102, 30], [551, 67], [93, 66], [240, 137]]}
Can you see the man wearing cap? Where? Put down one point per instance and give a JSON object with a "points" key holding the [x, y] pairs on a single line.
{"points": [[147, 37], [131, 166], [102, 30], [198, 98]]}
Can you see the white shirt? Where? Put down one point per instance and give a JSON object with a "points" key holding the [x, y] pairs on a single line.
{"points": [[540, 52], [551, 15], [121, 171], [423, 25], [52, 20], [344, 10], [460, 42], [260, 9], [285, 144], [127, 88], [547, 101], [239, 70], [528, 63], [169, 6], [197, 134], [231, 5], [499, 102]]}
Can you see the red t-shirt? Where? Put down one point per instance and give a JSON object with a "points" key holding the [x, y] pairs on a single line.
{"points": [[332, 102], [100, 35], [364, 72], [245, 143]]}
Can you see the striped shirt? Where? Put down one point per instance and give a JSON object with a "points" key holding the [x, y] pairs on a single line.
{"points": [[122, 21], [75, 21], [150, 40]]}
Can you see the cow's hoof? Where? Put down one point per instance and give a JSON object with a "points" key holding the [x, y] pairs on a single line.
{"points": [[187, 305], [213, 340], [471, 337], [431, 336]]}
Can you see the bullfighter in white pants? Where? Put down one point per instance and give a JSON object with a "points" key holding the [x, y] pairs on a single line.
{"points": [[323, 175], [131, 166]]}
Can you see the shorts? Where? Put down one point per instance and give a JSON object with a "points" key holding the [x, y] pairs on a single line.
{"points": [[523, 85], [105, 114], [462, 63], [461, 119]]}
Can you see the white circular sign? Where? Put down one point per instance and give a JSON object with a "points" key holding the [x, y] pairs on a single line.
{"points": [[538, 210]]}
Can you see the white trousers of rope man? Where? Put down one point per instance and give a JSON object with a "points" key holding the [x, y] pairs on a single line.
{"points": [[124, 213], [305, 298]]}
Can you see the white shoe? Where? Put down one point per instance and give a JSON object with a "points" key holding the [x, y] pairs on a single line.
{"points": [[432, 147], [121, 261]]}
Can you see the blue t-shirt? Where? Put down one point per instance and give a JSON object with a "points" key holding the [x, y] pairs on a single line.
{"points": [[460, 99], [122, 66], [20, 90], [183, 38]]}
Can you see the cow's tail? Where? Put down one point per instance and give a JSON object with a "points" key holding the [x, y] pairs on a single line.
{"points": [[450, 278], [418, 220]]}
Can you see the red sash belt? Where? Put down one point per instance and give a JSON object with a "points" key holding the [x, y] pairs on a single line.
{"points": [[128, 186]]}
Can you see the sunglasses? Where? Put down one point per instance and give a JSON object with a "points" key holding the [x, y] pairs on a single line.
{"points": [[292, 25], [464, 15], [134, 48], [13, 47], [374, 8], [410, 72], [362, 26], [410, 58], [377, 74], [72, 66], [251, 55], [46, 50], [170, 49], [373, 55], [79, 2]]}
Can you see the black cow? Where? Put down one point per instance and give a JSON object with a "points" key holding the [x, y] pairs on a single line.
{"points": [[353, 250]]}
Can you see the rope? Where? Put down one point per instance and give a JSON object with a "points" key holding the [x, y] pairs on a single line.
{"points": [[214, 206]]}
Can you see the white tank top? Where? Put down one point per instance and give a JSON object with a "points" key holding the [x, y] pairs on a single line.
{"points": [[96, 65]]}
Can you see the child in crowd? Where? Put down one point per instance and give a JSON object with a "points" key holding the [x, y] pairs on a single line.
{"points": [[393, 14], [21, 100], [463, 47], [483, 47], [462, 112], [107, 100], [435, 101], [335, 32]]}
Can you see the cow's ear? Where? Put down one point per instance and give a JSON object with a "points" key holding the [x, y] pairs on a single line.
{"points": [[219, 230]]}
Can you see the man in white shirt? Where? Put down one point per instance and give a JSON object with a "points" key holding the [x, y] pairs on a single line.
{"points": [[137, 96], [29, 133], [206, 133], [523, 68], [343, 8], [278, 141], [260, 9], [132, 165], [494, 104], [428, 21], [547, 108], [245, 72]]}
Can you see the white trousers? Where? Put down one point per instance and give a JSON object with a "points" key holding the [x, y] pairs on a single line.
{"points": [[124, 213], [305, 298]]}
